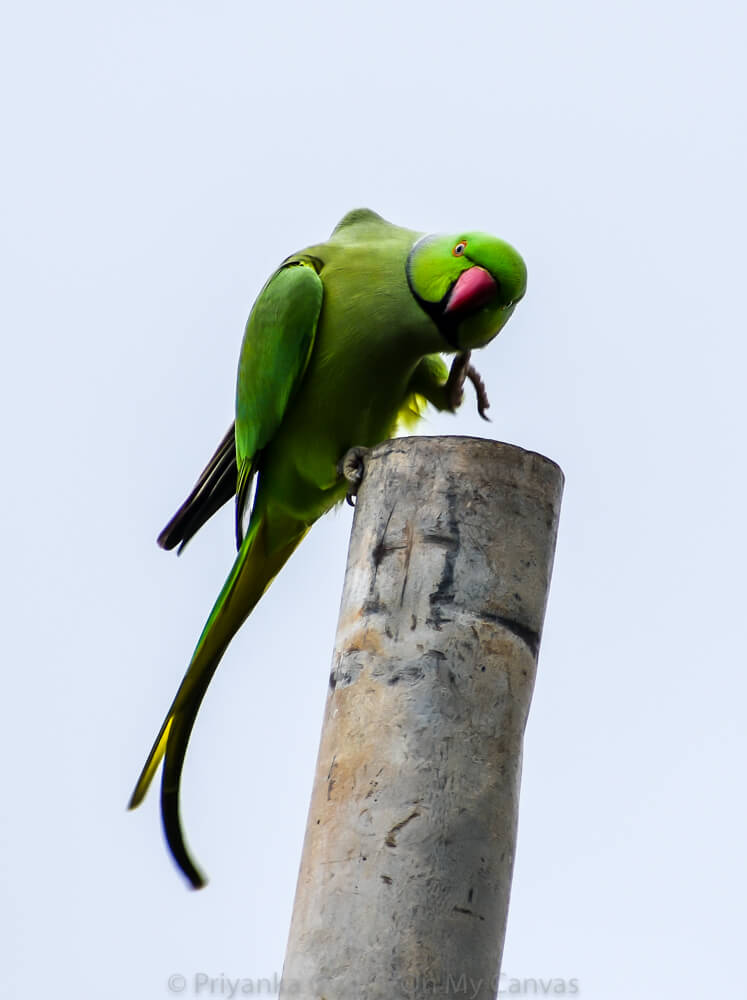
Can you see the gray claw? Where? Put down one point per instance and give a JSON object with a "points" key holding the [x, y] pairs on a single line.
{"points": [[352, 467], [460, 371], [483, 402], [455, 381]]}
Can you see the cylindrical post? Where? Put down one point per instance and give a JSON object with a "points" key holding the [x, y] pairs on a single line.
{"points": [[406, 868]]}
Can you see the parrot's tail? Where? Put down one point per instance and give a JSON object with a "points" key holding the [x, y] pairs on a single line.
{"points": [[253, 571]]}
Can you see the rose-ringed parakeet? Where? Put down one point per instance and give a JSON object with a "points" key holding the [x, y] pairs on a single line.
{"points": [[342, 344]]}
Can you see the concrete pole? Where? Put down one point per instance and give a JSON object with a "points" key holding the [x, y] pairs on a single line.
{"points": [[406, 868]]}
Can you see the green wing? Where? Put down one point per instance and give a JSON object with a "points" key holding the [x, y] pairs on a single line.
{"points": [[277, 345]]}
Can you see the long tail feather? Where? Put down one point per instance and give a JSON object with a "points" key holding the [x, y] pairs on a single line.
{"points": [[251, 574], [151, 765]]}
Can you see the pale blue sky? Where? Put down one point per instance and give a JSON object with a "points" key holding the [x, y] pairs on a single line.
{"points": [[159, 160]]}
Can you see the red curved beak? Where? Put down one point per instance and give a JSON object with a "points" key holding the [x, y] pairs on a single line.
{"points": [[473, 289]]}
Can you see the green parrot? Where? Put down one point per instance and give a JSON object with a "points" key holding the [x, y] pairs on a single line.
{"points": [[341, 346]]}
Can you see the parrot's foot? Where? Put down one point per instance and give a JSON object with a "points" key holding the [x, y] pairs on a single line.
{"points": [[352, 467], [461, 370]]}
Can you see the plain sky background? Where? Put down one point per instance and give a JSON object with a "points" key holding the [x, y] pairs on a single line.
{"points": [[159, 160]]}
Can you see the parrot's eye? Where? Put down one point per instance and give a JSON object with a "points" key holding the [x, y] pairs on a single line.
{"points": [[459, 248]]}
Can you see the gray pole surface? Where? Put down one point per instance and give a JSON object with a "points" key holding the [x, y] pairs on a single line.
{"points": [[406, 868]]}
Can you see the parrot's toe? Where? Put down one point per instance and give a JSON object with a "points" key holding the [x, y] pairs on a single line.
{"points": [[455, 381], [352, 467], [482, 395], [460, 371]]}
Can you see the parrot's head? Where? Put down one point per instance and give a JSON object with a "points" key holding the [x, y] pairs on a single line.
{"points": [[468, 284]]}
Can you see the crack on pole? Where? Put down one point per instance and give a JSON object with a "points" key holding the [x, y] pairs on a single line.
{"points": [[444, 592], [391, 840], [469, 913], [528, 636]]}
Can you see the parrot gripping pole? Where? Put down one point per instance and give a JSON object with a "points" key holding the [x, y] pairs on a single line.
{"points": [[406, 869], [352, 463]]}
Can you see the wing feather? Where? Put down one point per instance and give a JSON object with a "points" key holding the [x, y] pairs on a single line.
{"points": [[275, 352], [216, 486], [277, 345]]}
